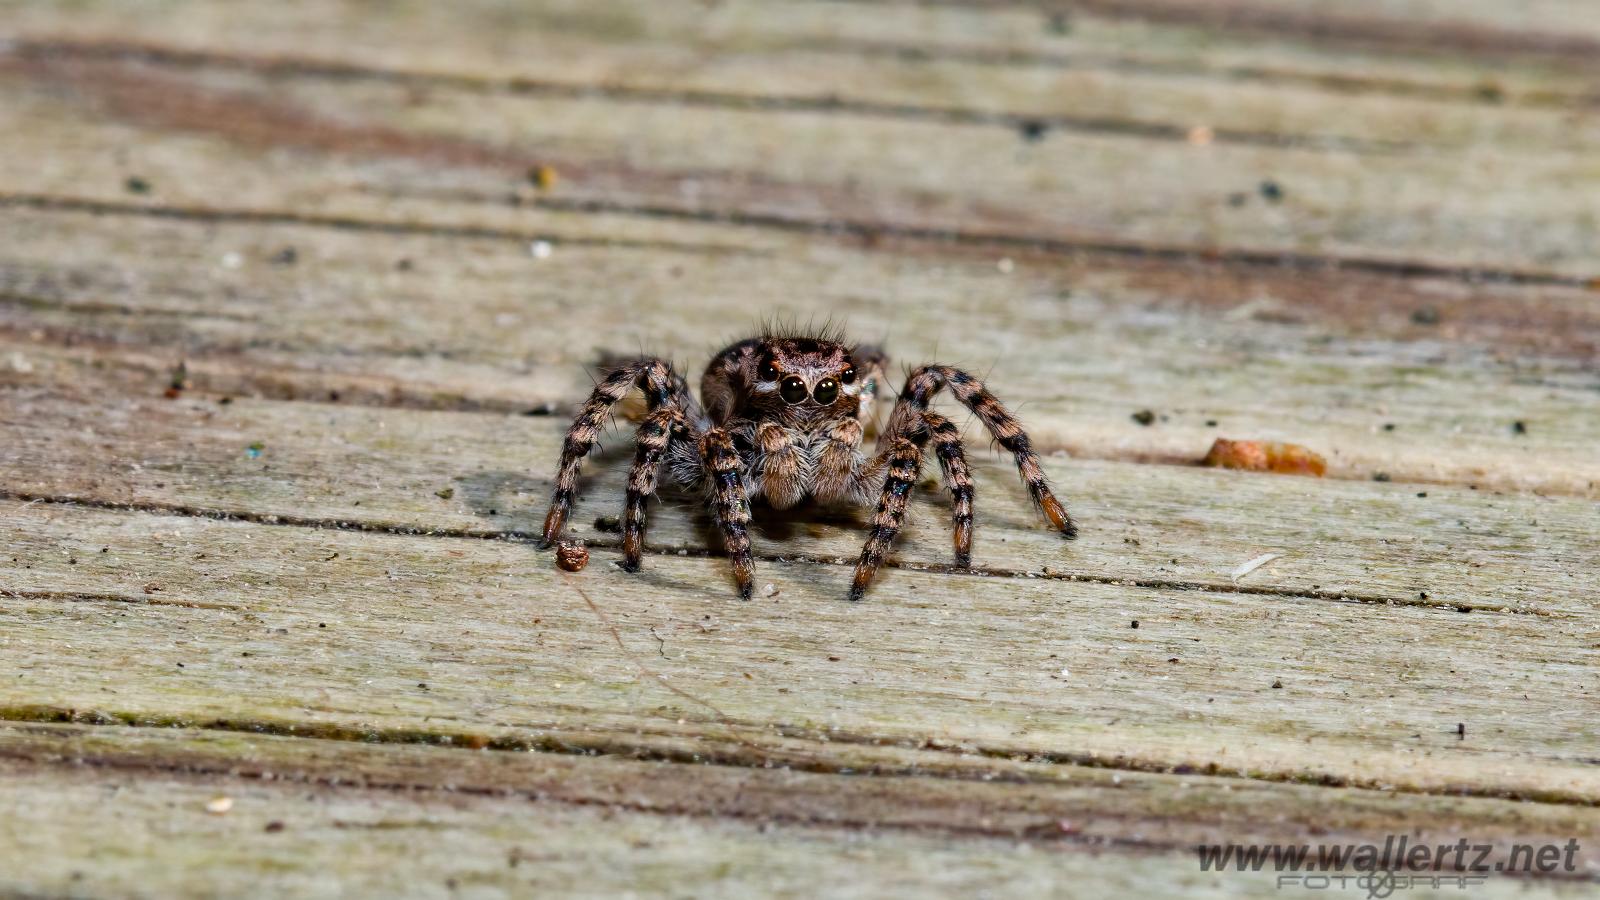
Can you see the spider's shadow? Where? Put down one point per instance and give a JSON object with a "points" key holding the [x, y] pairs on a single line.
{"points": [[516, 501]]}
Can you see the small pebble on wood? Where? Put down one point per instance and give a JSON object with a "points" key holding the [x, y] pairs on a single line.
{"points": [[571, 556]]}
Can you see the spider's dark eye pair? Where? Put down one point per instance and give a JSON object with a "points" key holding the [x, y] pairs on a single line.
{"points": [[793, 390]]}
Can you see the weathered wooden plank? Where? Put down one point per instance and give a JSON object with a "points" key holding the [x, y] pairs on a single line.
{"points": [[1152, 100], [1043, 820], [479, 323], [1161, 525], [256, 134], [238, 189], [393, 634], [101, 832], [586, 37]]}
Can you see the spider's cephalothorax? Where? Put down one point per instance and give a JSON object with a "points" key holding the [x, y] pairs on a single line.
{"points": [[784, 419]]}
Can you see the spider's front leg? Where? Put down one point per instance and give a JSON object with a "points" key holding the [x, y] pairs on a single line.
{"points": [[904, 456], [729, 504]]}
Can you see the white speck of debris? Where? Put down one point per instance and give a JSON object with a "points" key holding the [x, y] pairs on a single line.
{"points": [[1063, 674], [219, 805], [541, 249], [232, 260], [19, 363], [771, 590], [1247, 567], [1005, 265]]}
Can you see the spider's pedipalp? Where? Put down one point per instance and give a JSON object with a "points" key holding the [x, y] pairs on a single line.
{"points": [[782, 472], [838, 475]]}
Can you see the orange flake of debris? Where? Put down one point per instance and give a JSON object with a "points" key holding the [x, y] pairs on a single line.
{"points": [[1265, 456]]}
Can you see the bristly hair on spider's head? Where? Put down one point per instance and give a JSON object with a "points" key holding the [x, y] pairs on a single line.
{"points": [[781, 326]]}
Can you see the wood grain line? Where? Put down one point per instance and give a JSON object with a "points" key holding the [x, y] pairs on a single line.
{"points": [[866, 233], [1479, 94], [221, 215], [827, 104], [1261, 19]]}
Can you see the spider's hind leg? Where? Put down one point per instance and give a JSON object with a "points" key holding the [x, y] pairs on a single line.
{"points": [[958, 478], [655, 435], [662, 387], [730, 504], [905, 461]]}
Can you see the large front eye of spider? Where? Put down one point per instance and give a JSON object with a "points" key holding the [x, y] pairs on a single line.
{"points": [[793, 390], [826, 392]]}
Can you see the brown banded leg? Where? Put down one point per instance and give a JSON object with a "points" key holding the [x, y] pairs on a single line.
{"points": [[958, 478], [927, 380], [783, 480], [656, 433], [729, 504], [905, 461], [661, 387]]}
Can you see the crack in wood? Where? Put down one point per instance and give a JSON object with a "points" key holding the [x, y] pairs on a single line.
{"points": [[109, 597]]}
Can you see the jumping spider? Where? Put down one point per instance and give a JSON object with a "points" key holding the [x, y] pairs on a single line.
{"points": [[783, 419]]}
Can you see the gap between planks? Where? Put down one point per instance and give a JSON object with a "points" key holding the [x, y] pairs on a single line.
{"points": [[525, 537], [764, 745], [803, 796]]}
